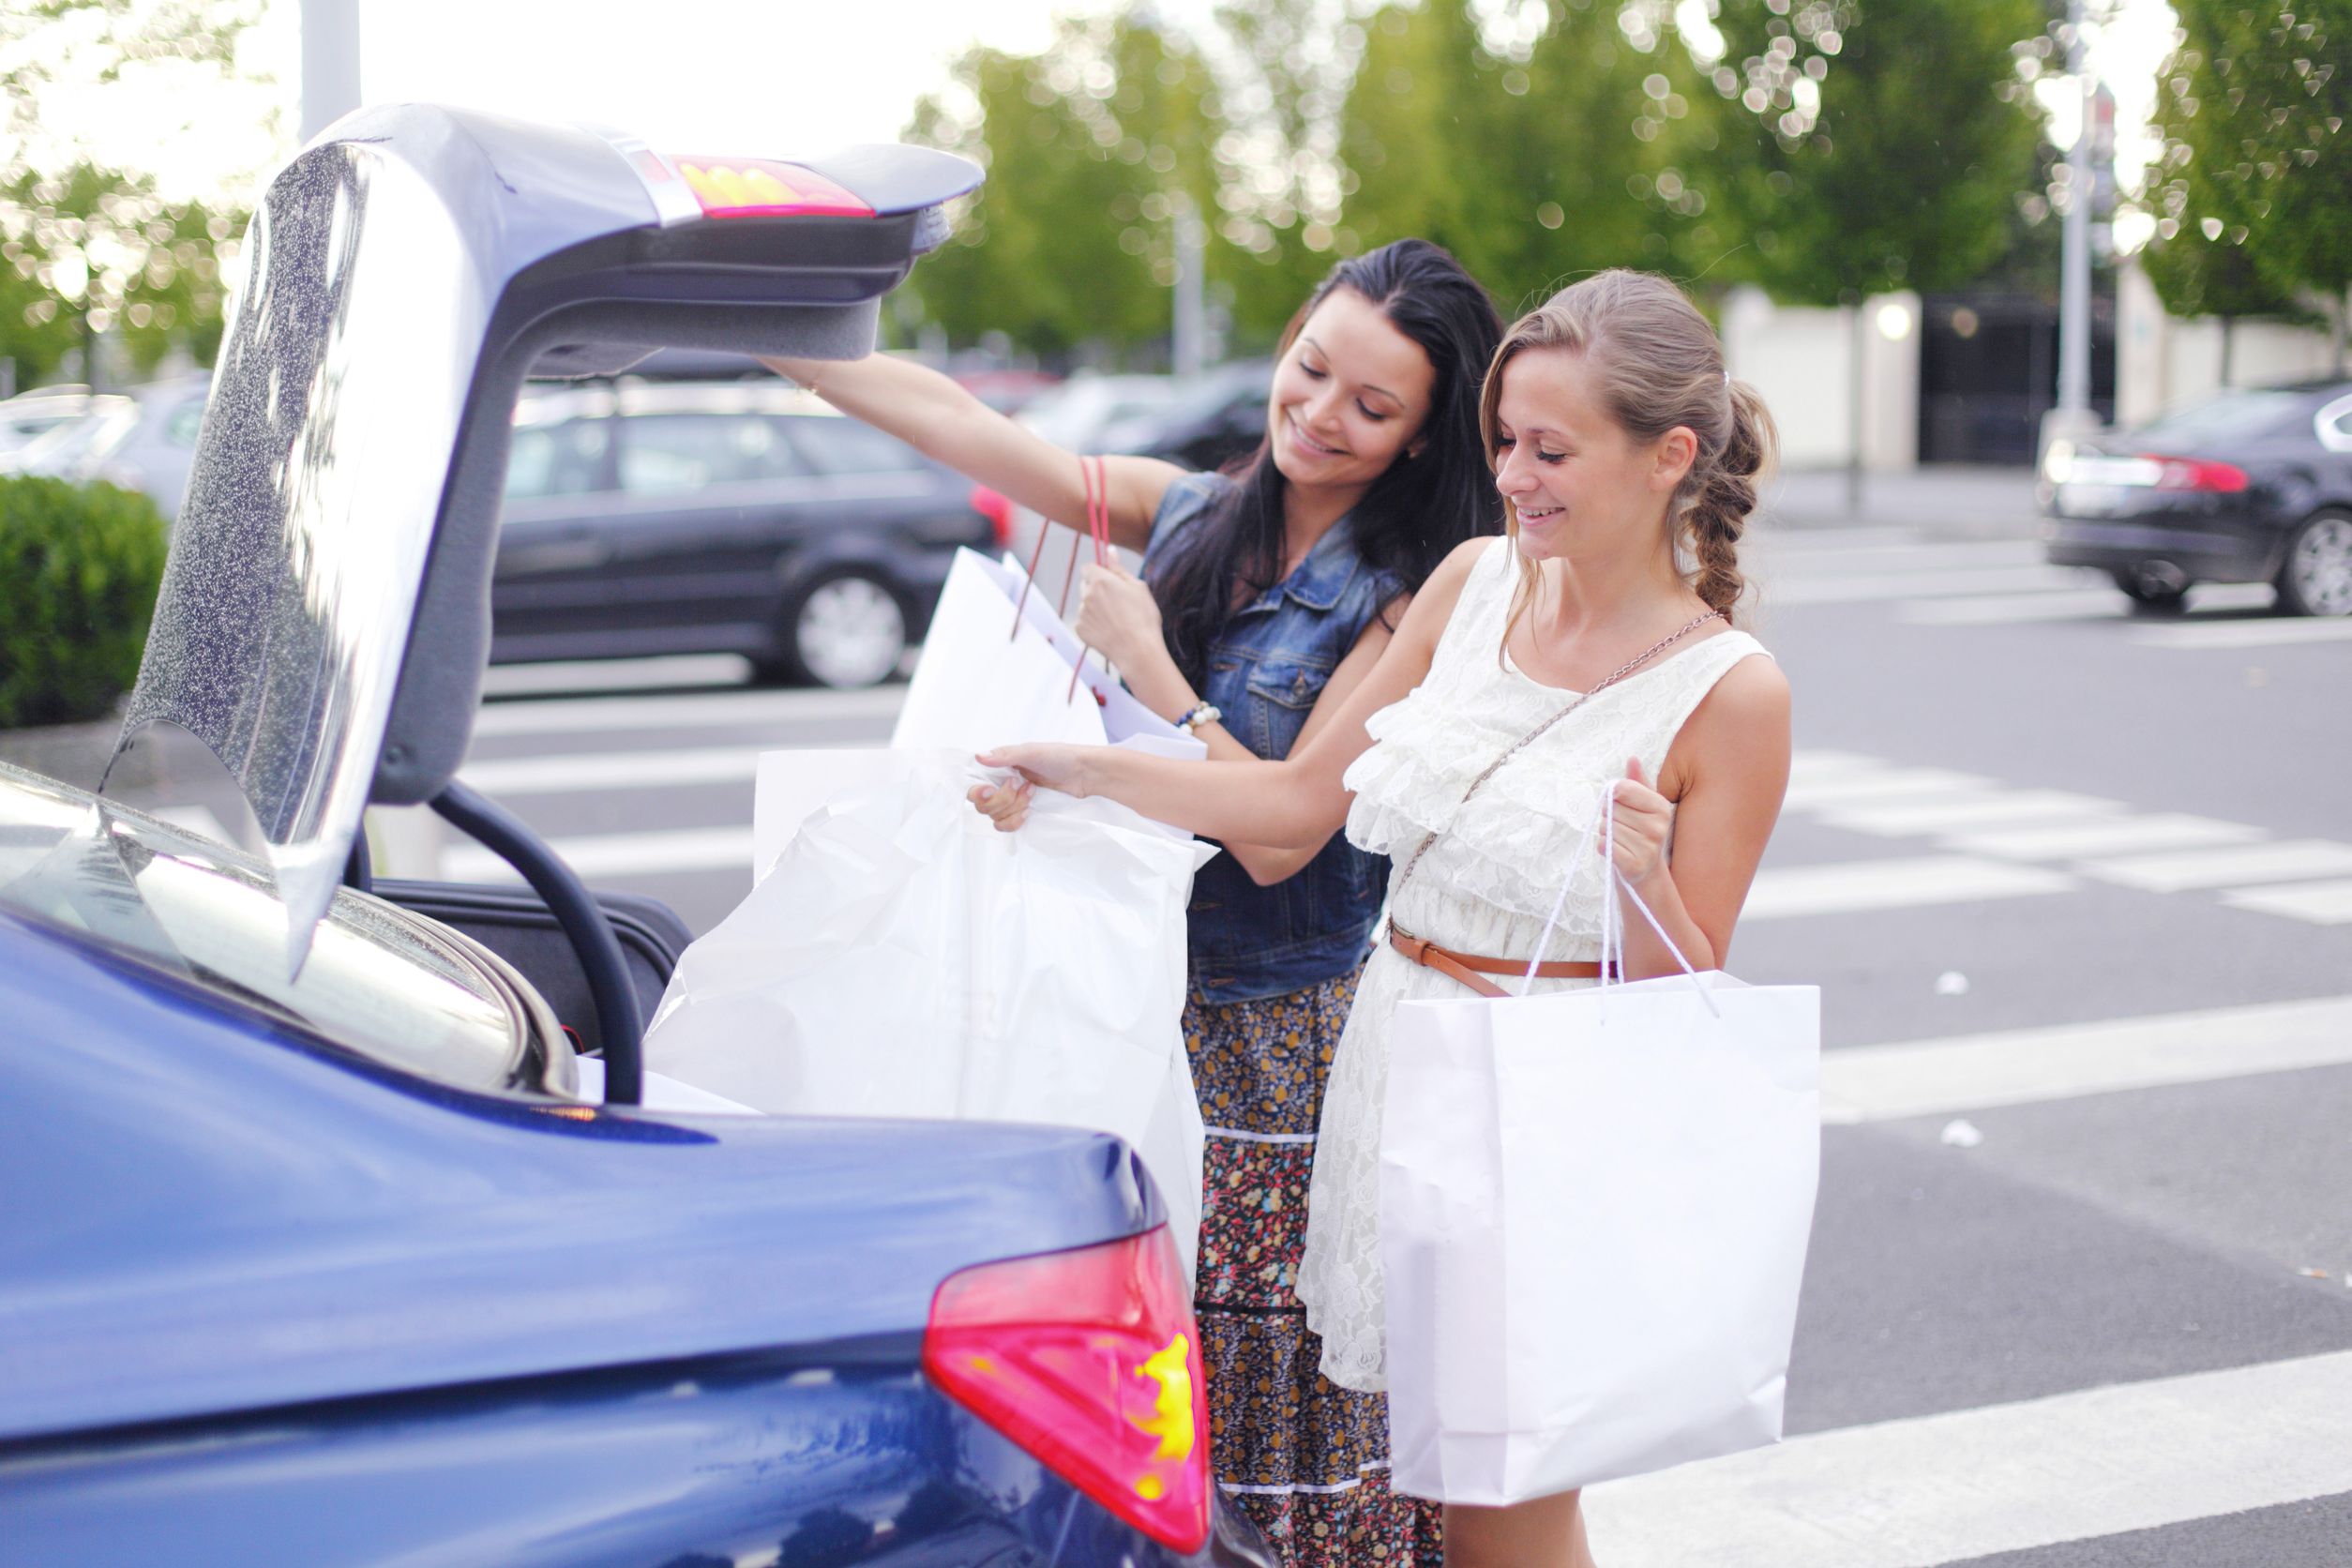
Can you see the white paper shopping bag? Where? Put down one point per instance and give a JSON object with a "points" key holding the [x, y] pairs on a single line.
{"points": [[900, 958], [1594, 1209], [979, 683]]}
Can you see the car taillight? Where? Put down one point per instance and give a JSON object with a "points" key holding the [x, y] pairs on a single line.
{"points": [[761, 188], [998, 510], [1090, 1361], [2196, 474]]}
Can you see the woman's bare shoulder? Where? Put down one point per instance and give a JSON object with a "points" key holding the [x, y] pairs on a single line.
{"points": [[1429, 609]]}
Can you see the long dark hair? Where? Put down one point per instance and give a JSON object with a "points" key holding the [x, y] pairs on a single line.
{"points": [[1414, 512]]}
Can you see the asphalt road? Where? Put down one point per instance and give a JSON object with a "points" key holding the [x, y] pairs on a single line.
{"points": [[2078, 887]]}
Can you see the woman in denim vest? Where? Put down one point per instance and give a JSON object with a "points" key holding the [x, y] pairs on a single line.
{"points": [[1268, 592]]}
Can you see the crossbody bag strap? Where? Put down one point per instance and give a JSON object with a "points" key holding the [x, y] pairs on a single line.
{"points": [[1538, 732]]}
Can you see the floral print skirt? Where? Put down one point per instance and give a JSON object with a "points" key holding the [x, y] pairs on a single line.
{"points": [[1304, 1458]]}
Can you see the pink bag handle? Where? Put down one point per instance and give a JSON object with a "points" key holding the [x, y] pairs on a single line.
{"points": [[1096, 481]]}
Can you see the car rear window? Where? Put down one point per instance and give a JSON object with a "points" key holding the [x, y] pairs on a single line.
{"points": [[669, 454], [2231, 416], [839, 445]]}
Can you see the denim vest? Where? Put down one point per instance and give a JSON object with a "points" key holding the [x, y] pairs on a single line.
{"points": [[1265, 674]]}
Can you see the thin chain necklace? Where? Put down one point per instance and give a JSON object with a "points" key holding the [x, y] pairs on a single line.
{"points": [[1539, 730]]}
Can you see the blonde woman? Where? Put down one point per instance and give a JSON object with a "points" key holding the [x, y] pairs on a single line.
{"points": [[1594, 643]]}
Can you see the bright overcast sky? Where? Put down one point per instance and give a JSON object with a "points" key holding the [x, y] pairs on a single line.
{"points": [[753, 77]]}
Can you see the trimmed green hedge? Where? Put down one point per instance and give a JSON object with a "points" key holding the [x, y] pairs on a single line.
{"points": [[79, 569]]}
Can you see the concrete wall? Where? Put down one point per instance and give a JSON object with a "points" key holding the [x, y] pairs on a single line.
{"points": [[1800, 358], [2164, 361]]}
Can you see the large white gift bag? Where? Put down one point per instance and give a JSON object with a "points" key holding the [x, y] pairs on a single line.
{"points": [[1594, 1207], [900, 958], [996, 668]]}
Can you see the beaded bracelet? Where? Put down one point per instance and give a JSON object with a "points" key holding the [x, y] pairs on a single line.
{"points": [[1205, 713]]}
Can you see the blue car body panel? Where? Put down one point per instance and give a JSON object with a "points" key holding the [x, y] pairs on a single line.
{"points": [[209, 1211], [835, 1455]]}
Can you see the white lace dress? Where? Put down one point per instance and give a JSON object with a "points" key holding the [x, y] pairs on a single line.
{"points": [[1486, 886]]}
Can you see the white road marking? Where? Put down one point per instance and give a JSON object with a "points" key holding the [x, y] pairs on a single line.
{"points": [[1879, 557], [1886, 885], [1856, 786], [717, 710], [2177, 872], [2326, 903], [2027, 1066], [1898, 1494], [1808, 767], [2103, 836], [1993, 610], [1869, 587], [2073, 604], [619, 854], [505, 777], [684, 669], [2277, 632], [1909, 819]]}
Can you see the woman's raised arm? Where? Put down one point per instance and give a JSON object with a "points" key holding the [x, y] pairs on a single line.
{"points": [[930, 413], [1297, 803]]}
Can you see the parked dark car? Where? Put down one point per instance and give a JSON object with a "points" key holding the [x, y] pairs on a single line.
{"points": [[741, 517], [1205, 423], [312, 1250], [142, 440], [2249, 486]]}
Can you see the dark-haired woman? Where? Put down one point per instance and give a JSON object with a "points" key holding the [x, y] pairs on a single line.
{"points": [[1268, 593]]}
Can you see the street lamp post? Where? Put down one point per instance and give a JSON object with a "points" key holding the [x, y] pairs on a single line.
{"points": [[2072, 420], [330, 63]]}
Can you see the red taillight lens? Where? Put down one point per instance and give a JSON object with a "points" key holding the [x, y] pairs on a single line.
{"points": [[998, 510], [760, 188], [2196, 474], [1090, 1361]]}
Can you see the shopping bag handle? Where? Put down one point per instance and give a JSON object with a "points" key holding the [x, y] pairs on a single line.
{"points": [[1604, 828], [1095, 480]]}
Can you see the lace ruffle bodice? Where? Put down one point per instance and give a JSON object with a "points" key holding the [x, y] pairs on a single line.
{"points": [[1487, 885]]}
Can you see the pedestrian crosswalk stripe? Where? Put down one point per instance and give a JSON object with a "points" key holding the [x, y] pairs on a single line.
{"points": [[676, 670], [2323, 903], [620, 854], [1989, 610], [1871, 557], [1971, 1483], [1911, 819], [1860, 785], [2024, 1066], [503, 776], [684, 711], [1886, 587], [2179, 871], [2074, 604], [2103, 836], [1807, 766], [2276, 632], [1884, 885]]}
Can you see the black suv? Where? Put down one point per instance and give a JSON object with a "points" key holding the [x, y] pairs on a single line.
{"points": [[740, 517]]}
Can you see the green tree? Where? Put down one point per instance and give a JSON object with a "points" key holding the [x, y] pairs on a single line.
{"points": [[86, 249], [1092, 148], [1534, 155], [95, 250], [2254, 200], [1880, 144]]}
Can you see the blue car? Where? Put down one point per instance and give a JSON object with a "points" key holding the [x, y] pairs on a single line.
{"points": [[310, 1248]]}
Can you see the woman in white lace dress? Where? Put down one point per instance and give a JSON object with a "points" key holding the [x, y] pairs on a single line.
{"points": [[1592, 645]]}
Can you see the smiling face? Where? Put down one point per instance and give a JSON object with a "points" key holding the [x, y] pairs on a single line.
{"points": [[1576, 479], [1349, 397]]}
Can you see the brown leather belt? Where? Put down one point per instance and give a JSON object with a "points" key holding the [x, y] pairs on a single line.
{"points": [[1472, 970]]}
